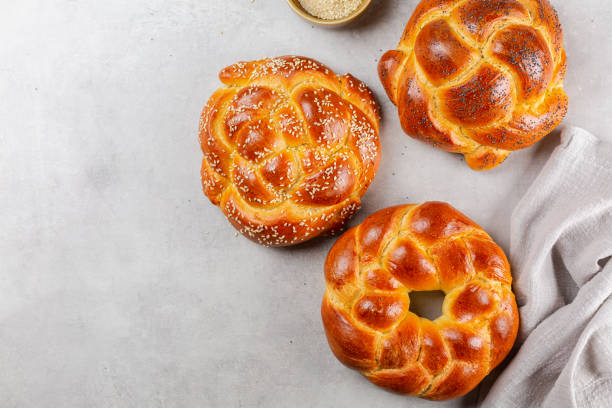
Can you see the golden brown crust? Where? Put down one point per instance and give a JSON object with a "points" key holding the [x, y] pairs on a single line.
{"points": [[478, 77], [289, 148], [370, 272]]}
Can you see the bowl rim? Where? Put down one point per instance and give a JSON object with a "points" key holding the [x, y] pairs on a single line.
{"points": [[299, 10]]}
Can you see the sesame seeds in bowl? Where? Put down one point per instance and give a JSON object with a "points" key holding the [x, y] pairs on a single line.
{"points": [[329, 13]]}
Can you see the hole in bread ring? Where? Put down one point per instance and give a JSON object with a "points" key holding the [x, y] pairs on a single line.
{"points": [[427, 304]]}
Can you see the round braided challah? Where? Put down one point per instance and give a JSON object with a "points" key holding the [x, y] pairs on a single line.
{"points": [[370, 272], [289, 148], [479, 77]]}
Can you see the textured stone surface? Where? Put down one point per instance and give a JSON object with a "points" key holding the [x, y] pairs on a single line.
{"points": [[120, 285]]}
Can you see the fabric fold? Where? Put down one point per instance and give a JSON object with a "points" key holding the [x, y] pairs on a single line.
{"points": [[561, 242]]}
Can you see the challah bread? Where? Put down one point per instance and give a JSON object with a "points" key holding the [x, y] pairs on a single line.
{"points": [[371, 271], [478, 77], [289, 148]]}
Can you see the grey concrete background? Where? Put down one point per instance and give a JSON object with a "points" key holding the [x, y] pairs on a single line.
{"points": [[120, 284]]}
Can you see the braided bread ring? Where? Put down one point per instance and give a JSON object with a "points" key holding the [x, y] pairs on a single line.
{"points": [[478, 77], [369, 274], [289, 148]]}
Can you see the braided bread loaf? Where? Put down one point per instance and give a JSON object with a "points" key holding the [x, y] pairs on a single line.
{"points": [[289, 148], [479, 77], [369, 274]]}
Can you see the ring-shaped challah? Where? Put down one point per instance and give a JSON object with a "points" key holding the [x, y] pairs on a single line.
{"points": [[370, 272], [478, 77], [289, 148]]}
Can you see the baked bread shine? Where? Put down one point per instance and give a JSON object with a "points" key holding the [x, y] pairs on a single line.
{"points": [[479, 77], [370, 272], [289, 148]]}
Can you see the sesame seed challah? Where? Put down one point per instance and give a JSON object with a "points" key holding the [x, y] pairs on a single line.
{"points": [[289, 148]]}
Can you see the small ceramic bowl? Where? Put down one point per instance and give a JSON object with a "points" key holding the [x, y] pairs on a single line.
{"points": [[297, 7]]}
